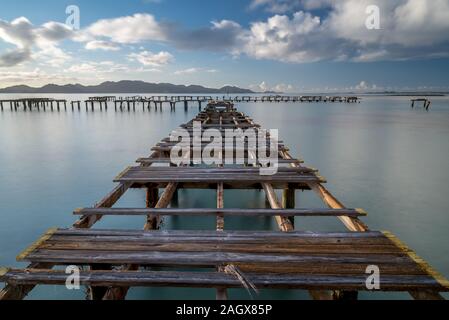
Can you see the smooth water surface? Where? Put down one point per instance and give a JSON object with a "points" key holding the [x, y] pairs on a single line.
{"points": [[379, 155]]}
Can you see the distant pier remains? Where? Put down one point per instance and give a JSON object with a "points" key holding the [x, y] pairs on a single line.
{"points": [[131, 103]]}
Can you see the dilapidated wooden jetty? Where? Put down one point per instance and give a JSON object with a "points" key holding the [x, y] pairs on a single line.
{"points": [[148, 102], [425, 103], [30, 104], [329, 265]]}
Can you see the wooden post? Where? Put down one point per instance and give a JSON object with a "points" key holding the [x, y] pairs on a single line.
{"points": [[153, 222], [284, 223], [288, 201], [152, 197], [220, 205], [221, 293], [97, 293]]}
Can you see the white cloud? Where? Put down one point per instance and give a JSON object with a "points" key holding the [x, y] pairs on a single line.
{"points": [[410, 29], [365, 86], [33, 42], [14, 57], [127, 30], [83, 68], [33, 76], [148, 58], [220, 36], [102, 45], [281, 38], [52, 55], [194, 70], [90, 67], [186, 71], [264, 87]]}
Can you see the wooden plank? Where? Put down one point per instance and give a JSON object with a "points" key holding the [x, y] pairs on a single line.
{"points": [[228, 179], [419, 261], [204, 258], [254, 234], [46, 236], [214, 246], [222, 212], [238, 160], [19, 292], [218, 170], [214, 279]]}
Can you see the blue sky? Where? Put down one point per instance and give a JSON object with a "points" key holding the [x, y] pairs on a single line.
{"points": [[286, 45]]}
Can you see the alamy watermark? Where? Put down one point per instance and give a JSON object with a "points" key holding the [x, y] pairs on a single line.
{"points": [[210, 147], [72, 281], [373, 280], [372, 21], [73, 20]]}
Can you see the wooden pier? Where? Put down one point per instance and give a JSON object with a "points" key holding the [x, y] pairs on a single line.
{"points": [[157, 102], [330, 265], [30, 104], [425, 103]]}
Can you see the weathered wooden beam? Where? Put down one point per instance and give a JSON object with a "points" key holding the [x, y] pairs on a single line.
{"points": [[353, 224], [284, 223], [123, 279], [221, 212], [107, 202]]}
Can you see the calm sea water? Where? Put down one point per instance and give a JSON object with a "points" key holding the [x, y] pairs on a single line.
{"points": [[379, 155]]}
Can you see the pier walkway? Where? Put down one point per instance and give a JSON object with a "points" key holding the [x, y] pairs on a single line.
{"points": [[330, 265]]}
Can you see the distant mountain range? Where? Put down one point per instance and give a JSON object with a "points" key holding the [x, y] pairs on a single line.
{"points": [[124, 87]]}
